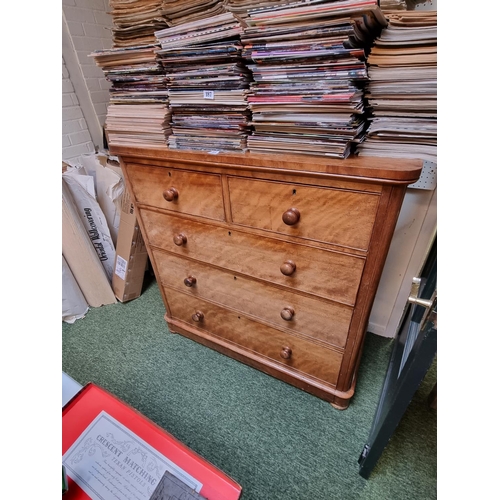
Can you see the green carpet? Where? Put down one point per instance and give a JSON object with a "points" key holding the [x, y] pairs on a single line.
{"points": [[277, 441]]}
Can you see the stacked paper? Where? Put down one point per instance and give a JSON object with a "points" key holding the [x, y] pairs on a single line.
{"points": [[207, 81], [402, 92], [215, 28], [393, 5], [138, 124], [138, 111], [241, 7], [308, 63], [186, 11], [135, 21]]}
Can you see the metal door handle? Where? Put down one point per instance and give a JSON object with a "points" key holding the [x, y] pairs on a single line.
{"points": [[414, 298]]}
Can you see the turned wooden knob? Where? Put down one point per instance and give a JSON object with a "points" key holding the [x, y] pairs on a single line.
{"points": [[288, 267], [180, 239], [197, 316], [287, 313], [286, 353], [170, 194], [190, 281], [291, 216]]}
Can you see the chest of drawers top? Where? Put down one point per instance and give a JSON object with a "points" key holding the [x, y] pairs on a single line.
{"points": [[369, 169]]}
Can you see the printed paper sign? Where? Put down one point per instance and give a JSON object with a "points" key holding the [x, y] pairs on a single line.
{"points": [[208, 94], [121, 267], [109, 462]]}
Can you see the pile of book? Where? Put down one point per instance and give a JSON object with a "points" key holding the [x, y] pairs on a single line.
{"points": [[135, 21], [138, 111], [208, 84], [309, 66], [402, 91]]}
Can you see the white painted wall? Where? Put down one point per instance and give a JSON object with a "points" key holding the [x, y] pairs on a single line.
{"points": [[76, 138], [415, 229], [86, 26]]}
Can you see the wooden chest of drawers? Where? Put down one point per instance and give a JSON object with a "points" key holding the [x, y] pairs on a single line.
{"points": [[273, 260]]}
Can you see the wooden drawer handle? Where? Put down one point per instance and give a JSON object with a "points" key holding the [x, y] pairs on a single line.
{"points": [[291, 216], [286, 353], [288, 267], [180, 239], [190, 281], [288, 313], [198, 316], [171, 194]]}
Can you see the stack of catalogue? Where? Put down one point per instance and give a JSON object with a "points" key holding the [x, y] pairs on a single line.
{"points": [[138, 112], [135, 21], [207, 81], [309, 65], [178, 12], [402, 91]]}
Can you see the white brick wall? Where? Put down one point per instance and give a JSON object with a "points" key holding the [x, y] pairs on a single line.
{"points": [[90, 29], [76, 138]]}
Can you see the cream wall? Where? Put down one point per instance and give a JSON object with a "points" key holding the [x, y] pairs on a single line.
{"points": [[86, 26], [76, 138]]}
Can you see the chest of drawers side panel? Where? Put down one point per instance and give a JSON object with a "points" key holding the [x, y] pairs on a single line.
{"points": [[390, 205]]}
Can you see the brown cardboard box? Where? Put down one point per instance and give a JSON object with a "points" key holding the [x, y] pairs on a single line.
{"points": [[131, 255]]}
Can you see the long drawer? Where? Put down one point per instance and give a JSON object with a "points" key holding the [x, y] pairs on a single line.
{"points": [[316, 213], [278, 347], [181, 191], [327, 274], [325, 321]]}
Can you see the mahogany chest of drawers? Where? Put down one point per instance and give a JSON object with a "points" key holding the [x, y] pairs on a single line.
{"points": [[273, 260]]}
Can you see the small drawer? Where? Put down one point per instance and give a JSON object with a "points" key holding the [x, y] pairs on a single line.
{"points": [[332, 275], [325, 321], [323, 214], [182, 191], [295, 353]]}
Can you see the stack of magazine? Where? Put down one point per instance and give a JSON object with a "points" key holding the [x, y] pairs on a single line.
{"points": [[309, 66], [186, 11], [135, 21], [402, 91], [138, 111], [241, 8], [208, 84], [394, 4]]}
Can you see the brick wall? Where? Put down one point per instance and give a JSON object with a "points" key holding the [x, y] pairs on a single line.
{"points": [[76, 138], [89, 28]]}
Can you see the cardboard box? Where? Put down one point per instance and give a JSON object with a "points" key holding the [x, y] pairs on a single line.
{"points": [[109, 187], [131, 254], [131, 461]]}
